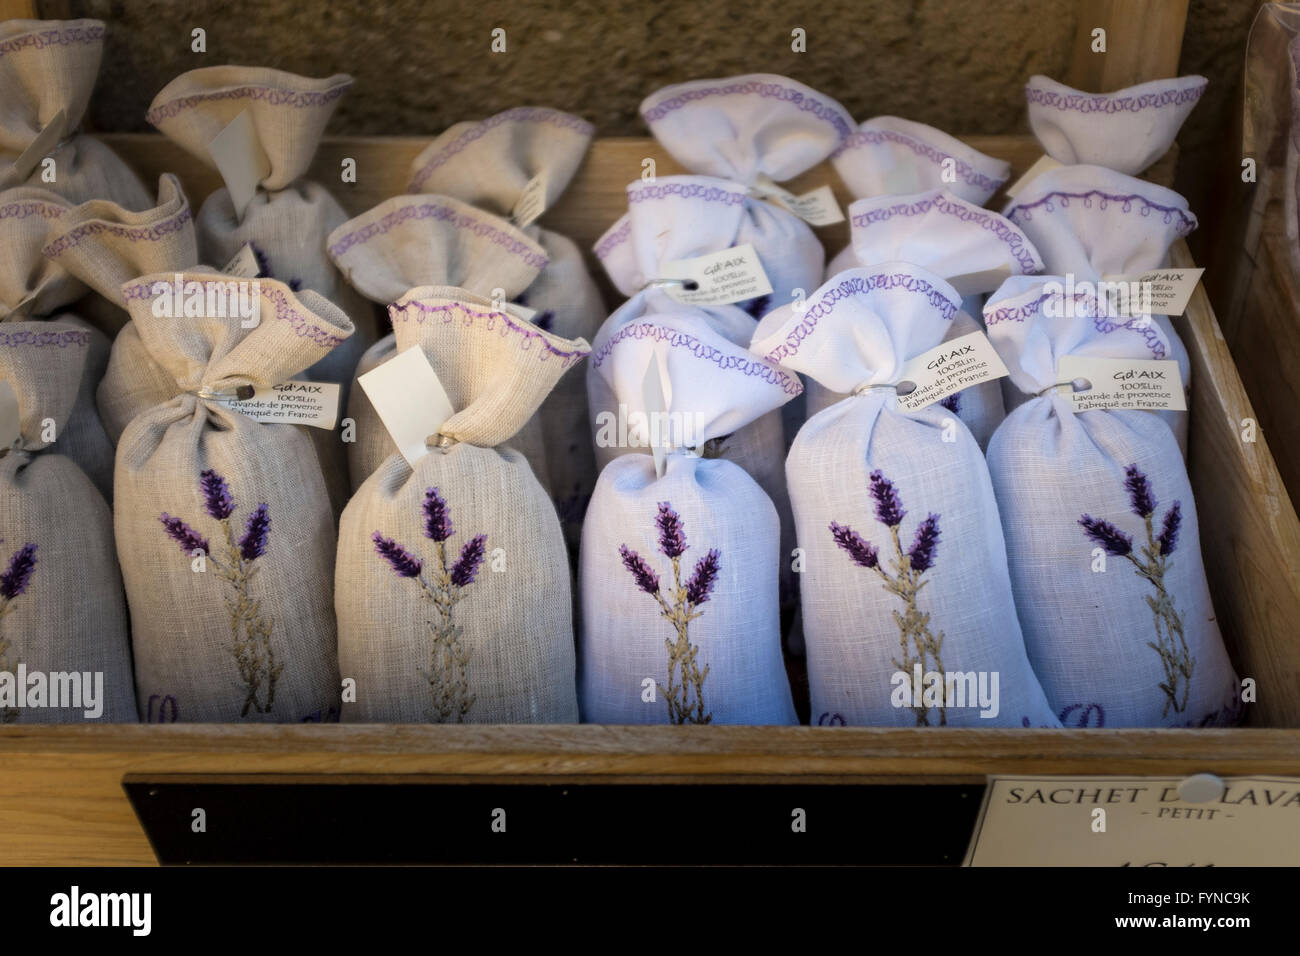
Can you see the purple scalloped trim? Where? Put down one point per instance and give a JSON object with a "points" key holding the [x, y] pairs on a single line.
{"points": [[701, 350], [1188, 222], [508, 325], [1101, 103], [615, 238], [934, 154], [433, 210], [298, 99], [40, 339], [304, 325], [26, 208], [855, 286], [988, 221], [522, 114], [1150, 336], [772, 91], [729, 197], [62, 36], [96, 227]]}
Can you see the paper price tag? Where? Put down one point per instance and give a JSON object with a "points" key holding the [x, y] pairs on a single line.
{"points": [[521, 311], [410, 400], [1044, 163], [10, 421], [1149, 821], [290, 403], [36, 150], [656, 404], [720, 278], [532, 202], [817, 208], [975, 283], [1157, 292], [1154, 384], [240, 159], [244, 265], [949, 368]]}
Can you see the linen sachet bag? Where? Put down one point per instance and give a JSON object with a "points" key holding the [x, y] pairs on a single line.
{"points": [[290, 216], [1093, 224], [64, 655], [453, 585], [680, 613], [223, 523], [908, 615], [47, 71], [959, 242], [411, 241], [517, 164], [33, 288], [1101, 532], [1127, 130]]}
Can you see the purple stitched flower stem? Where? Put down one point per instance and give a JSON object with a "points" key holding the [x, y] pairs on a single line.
{"points": [[645, 577], [253, 544], [1111, 539], [857, 548], [1139, 492], [403, 563], [13, 582], [921, 555], [889, 510], [672, 540], [1168, 539], [216, 495], [189, 539], [703, 578], [437, 520], [467, 565]]}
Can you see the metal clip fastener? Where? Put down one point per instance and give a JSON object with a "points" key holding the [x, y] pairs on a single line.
{"points": [[901, 388], [1075, 385], [240, 393], [441, 442], [690, 285]]}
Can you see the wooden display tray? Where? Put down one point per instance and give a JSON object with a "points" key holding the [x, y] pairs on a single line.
{"points": [[62, 799]]}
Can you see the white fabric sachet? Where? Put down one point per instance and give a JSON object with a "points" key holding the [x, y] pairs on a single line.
{"points": [[1101, 531], [1127, 130], [1094, 223], [680, 610], [905, 572]]}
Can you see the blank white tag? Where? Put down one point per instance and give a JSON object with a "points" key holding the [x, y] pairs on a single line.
{"points": [[290, 403], [949, 368], [729, 275], [514, 308], [652, 398], [36, 150], [1154, 384], [244, 264], [9, 420], [1157, 292], [532, 202], [410, 400], [240, 159], [817, 208], [974, 283], [1044, 163]]}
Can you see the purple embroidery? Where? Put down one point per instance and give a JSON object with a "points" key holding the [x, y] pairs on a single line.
{"points": [[163, 715], [521, 114], [860, 286], [322, 715], [304, 325], [403, 563], [752, 366], [508, 325], [16, 577], [466, 567], [729, 197], [1093, 103], [1087, 306], [264, 267], [298, 99], [672, 540], [830, 720], [253, 544], [874, 137], [617, 237], [39, 339], [62, 36], [31, 207], [1086, 713], [952, 403], [758, 306], [988, 221], [774, 91], [150, 233], [217, 501], [180, 532], [1187, 222], [437, 519], [432, 210]]}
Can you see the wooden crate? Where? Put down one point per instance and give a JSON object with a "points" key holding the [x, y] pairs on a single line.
{"points": [[62, 798]]}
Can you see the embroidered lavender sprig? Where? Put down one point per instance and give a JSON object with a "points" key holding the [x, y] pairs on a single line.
{"points": [[905, 582], [952, 403], [1170, 644], [684, 673], [443, 587], [13, 583], [251, 644]]}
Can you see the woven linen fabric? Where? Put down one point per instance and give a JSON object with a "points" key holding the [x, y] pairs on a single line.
{"points": [[1127, 130], [905, 572], [956, 240], [411, 241], [680, 600], [48, 66], [33, 288], [223, 524], [1094, 223], [62, 611], [453, 587], [490, 164], [891, 156], [1101, 531]]}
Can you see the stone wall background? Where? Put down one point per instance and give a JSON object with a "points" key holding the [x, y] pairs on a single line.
{"points": [[421, 66]]}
